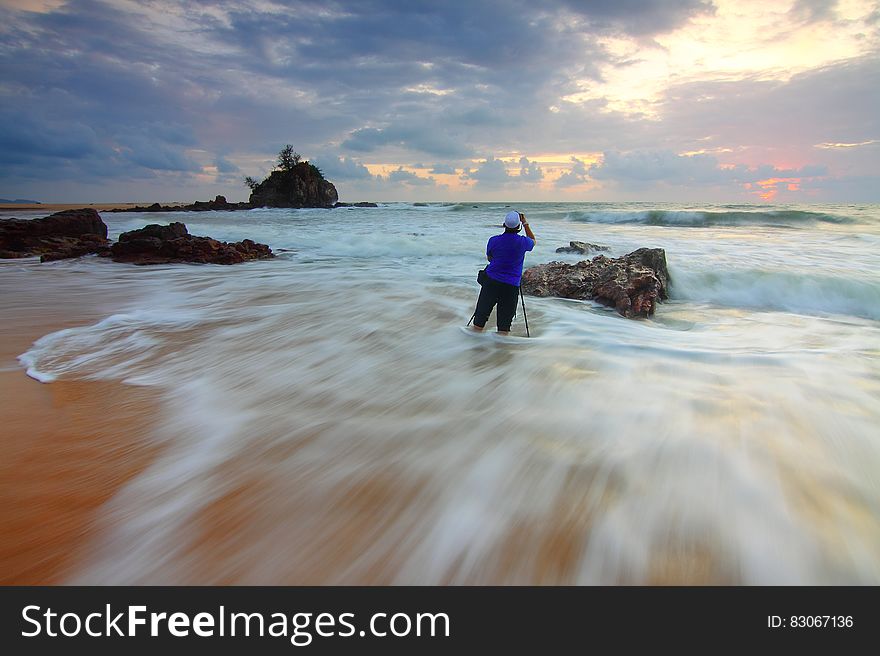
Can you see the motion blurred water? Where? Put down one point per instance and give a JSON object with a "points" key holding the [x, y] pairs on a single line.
{"points": [[327, 420]]}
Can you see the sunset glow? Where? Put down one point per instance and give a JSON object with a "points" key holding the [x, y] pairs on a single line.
{"points": [[699, 100]]}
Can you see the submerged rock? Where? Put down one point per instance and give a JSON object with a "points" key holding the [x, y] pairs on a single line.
{"points": [[62, 235], [158, 244], [581, 247], [361, 204], [632, 284]]}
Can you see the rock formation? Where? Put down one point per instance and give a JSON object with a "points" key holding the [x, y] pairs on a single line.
{"points": [[632, 284], [300, 186], [70, 233], [219, 204], [157, 244], [581, 247]]}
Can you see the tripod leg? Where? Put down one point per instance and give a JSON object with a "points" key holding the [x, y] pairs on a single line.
{"points": [[525, 316]]}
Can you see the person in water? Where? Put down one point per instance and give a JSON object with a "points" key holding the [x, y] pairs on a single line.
{"points": [[500, 285]]}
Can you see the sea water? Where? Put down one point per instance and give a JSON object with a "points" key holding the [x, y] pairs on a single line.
{"points": [[325, 419]]}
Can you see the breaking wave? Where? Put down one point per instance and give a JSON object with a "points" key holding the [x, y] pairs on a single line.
{"points": [[703, 218]]}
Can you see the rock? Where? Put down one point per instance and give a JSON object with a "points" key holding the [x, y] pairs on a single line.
{"points": [[632, 284], [155, 231], [66, 234], [158, 244], [300, 186], [361, 204], [581, 247], [219, 204]]}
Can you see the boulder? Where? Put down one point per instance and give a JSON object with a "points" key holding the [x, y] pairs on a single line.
{"points": [[158, 244], [581, 247], [66, 234], [632, 284]]}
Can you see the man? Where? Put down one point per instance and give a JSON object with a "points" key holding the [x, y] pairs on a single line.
{"points": [[500, 285]]}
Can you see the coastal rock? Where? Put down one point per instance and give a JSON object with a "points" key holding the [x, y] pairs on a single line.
{"points": [[632, 284], [62, 235], [581, 247], [361, 204], [217, 205], [158, 244], [300, 186]]}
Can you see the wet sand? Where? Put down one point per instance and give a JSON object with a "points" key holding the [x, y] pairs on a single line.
{"points": [[67, 448]]}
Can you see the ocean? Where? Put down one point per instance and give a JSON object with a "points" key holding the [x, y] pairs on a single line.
{"points": [[324, 418]]}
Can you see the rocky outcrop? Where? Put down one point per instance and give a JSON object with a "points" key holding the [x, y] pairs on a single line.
{"points": [[361, 204], [66, 234], [632, 284], [300, 186], [158, 244], [582, 247], [219, 204]]}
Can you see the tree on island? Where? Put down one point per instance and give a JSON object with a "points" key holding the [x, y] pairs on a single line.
{"points": [[294, 183], [288, 159]]}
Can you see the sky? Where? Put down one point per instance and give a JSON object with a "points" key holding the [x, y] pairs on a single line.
{"points": [[709, 101]]}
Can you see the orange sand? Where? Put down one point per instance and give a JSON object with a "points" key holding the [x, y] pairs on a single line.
{"points": [[67, 448]]}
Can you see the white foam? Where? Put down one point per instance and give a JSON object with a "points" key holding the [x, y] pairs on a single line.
{"points": [[371, 441]]}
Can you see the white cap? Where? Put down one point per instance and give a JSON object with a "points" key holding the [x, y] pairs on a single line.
{"points": [[511, 220]]}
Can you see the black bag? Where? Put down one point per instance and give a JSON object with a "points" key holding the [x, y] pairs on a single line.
{"points": [[482, 276]]}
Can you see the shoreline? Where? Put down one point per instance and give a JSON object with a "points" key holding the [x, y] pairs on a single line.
{"points": [[58, 207]]}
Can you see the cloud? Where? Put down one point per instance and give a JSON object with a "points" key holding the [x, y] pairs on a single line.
{"points": [[127, 90], [425, 139], [656, 169], [408, 177], [644, 166], [813, 10], [490, 173], [577, 174], [225, 166], [529, 171], [640, 17], [341, 168], [442, 169]]}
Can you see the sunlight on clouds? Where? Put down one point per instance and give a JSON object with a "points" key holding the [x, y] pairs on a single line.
{"points": [[705, 151], [834, 146], [36, 6], [769, 188], [427, 88], [743, 39]]}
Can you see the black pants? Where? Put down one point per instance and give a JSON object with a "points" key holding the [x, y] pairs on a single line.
{"points": [[505, 296]]}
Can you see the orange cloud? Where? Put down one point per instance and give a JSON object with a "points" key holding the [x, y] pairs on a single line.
{"points": [[769, 187]]}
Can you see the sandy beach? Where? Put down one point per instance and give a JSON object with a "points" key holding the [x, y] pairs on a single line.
{"points": [[67, 447]]}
